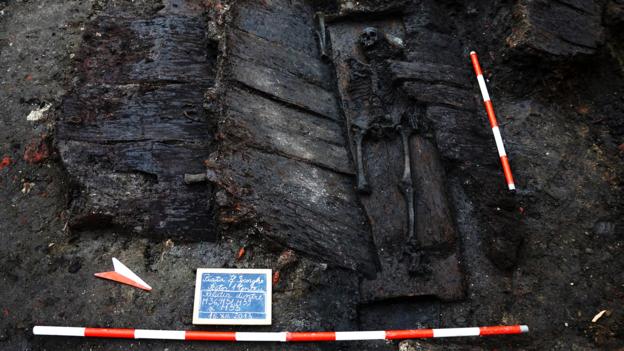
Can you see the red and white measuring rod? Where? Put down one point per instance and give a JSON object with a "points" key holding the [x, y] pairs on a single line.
{"points": [[279, 336], [489, 108]]}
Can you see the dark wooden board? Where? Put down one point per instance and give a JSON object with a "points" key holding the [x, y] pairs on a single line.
{"points": [[134, 124], [558, 28], [276, 56], [431, 72], [290, 24], [435, 225], [283, 168], [135, 112], [139, 186], [459, 134], [132, 50], [439, 94], [310, 209], [286, 87], [271, 126]]}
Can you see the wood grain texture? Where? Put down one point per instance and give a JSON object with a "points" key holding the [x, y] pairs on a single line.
{"points": [[134, 125]]}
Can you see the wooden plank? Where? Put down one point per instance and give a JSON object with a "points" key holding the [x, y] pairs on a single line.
{"points": [[431, 37], [100, 113], [285, 87], [427, 45], [279, 21], [439, 94], [135, 124], [299, 205], [557, 28], [435, 225], [446, 281], [283, 158], [130, 50], [430, 72], [273, 127], [139, 187], [460, 133], [255, 49]]}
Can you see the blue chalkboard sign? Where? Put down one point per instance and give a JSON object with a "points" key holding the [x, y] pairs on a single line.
{"points": [[232, 296]]}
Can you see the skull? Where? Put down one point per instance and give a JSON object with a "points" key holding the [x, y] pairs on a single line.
{"points": [[369, 37]]}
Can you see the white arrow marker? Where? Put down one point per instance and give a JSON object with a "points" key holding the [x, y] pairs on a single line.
{"points": [[124, 275]]}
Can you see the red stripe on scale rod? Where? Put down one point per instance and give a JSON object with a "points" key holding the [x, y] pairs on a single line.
{"points": [[489, 108], [115, 333]]}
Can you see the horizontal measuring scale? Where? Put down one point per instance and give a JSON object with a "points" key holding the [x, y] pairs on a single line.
{"points": [[279, 336]]}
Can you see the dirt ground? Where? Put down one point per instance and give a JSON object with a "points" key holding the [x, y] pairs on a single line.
{"points": [[548, 256]]}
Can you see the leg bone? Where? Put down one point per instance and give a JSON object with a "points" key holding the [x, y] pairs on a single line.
{"points": [[321, 35], [407, 185], [362, 183]]}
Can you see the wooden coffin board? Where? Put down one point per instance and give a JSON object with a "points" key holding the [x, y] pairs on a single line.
{"points": [[134, 125], [284, 160]]}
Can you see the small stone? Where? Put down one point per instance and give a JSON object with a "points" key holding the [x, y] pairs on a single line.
{"points": [[74, 265], [38, 114], [604, 228], [27, 186]]}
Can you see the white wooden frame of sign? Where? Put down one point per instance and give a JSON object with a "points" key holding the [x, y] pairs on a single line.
{"points": [[243, 321]]}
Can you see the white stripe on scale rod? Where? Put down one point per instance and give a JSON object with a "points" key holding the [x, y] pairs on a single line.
{"points": [[455, 332], [159, 334], [483, 87], [361, 335], [59, 331], [259, 336], [499, 141]]}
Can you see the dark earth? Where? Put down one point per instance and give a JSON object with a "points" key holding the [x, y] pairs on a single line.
{"points": [[179, 134]]}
